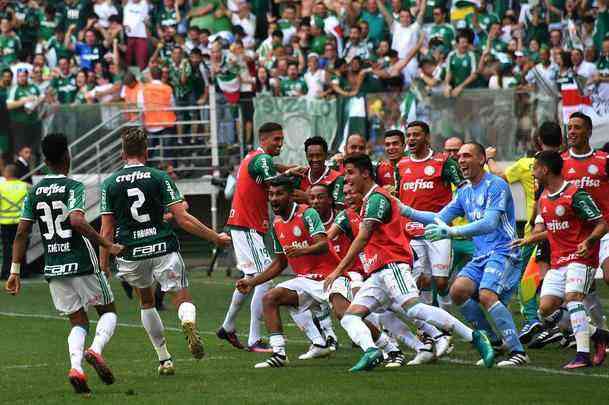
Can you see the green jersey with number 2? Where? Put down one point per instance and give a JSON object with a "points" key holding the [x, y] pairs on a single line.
{"points": [[50, 202], [138, 196]]}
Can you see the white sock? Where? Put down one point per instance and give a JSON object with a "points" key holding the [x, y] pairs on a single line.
{"points": [[426, 296], [104, 331], [386, 343], [304, 321], [187, 312], [427, 328], [76, 346], [325, 322], [580, 325], [375, 319], [256, 315], [156, 332], [595, 310], [233, 309], [400, 330], [445, 302], [357, 331], [441, 319], [277, 342]]}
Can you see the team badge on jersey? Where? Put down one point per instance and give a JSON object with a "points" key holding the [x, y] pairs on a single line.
{"points": [[571, 171], [297, 231], [593, 169], [429, 170], [560, 210]]}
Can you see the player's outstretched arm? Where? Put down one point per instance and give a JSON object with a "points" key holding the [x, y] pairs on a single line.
{"points": [[319, 247], [193, 226], [276, 267], [13, 285], [487, 224], [366, 229], [79, 223]]}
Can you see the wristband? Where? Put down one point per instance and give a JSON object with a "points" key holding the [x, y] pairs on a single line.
{"points": [[16, 268]]}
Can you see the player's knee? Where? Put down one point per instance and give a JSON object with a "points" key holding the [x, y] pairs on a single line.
{"points": [[546, 308], [487, 298], [349, 319], [270, 298], [458, 294]]}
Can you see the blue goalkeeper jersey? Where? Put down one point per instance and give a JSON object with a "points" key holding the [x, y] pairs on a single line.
{"points": [[472, 201]]}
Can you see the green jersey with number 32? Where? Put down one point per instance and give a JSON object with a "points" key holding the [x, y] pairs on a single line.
{"points": [[50, 202], [137, 196]]}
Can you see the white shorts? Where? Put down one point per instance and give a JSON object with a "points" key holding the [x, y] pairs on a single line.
{"points": [[69, 294], [392, 285], [572, 278], [342, 286], [252, 256], [433, 258], [357, 280], [168, 270], [310, 292], [603, 253]]}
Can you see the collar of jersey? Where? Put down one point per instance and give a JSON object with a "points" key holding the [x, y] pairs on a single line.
{"points": [[294, 208], [370, 192], [585, 155], [135, 165], [560, 190], [329, 221], [54, 176], [320, 178], [429, 155]]}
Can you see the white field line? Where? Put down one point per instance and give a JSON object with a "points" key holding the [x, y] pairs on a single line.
{"points": [[543, 370]]}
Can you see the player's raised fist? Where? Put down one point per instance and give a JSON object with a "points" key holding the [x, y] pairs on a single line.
{"points": [[243, 286]]}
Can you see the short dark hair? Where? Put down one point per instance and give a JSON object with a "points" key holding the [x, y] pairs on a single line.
{"points": [[550, 134], [196, 51], [394, 132], [361, 161], [156, 73], [287, 182], [269, 127], [277, 33], [316, 140], [586, 118], [466, 33], [55, 147], [550, 159], [422, 124], [135, 141], [324, 186], [479, 147]]}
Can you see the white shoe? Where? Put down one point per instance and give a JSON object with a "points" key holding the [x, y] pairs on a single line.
{"points": [[275, 361], [425, 355], [167, 368], [395, 359], [443, 345], [515, 360], [316, 352]]}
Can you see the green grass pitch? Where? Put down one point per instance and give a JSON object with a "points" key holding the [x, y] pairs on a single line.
{"points": [[34, 364]]}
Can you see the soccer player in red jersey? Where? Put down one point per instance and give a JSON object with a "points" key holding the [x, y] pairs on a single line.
{"points": [[248, 222], [425, 182], [387, 260], [589, 169], [386, 168], [316, 150], [299, 239], [574, 226]]}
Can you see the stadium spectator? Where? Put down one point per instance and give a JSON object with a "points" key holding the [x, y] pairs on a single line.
{"points": [[136, 15], [23, 163]]}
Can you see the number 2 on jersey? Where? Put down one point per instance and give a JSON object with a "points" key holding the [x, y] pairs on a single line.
{"points": [[54, 227], [141, 199]]}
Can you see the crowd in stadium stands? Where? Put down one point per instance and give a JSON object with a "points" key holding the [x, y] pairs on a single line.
{"points": [[98, 51]]}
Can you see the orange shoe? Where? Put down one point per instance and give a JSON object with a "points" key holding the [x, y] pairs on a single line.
{"points": [[78, 379], [99, 365]]}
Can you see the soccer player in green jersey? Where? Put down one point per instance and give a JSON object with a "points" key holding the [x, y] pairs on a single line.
{"points": [[133, 202], [57, 203]]}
